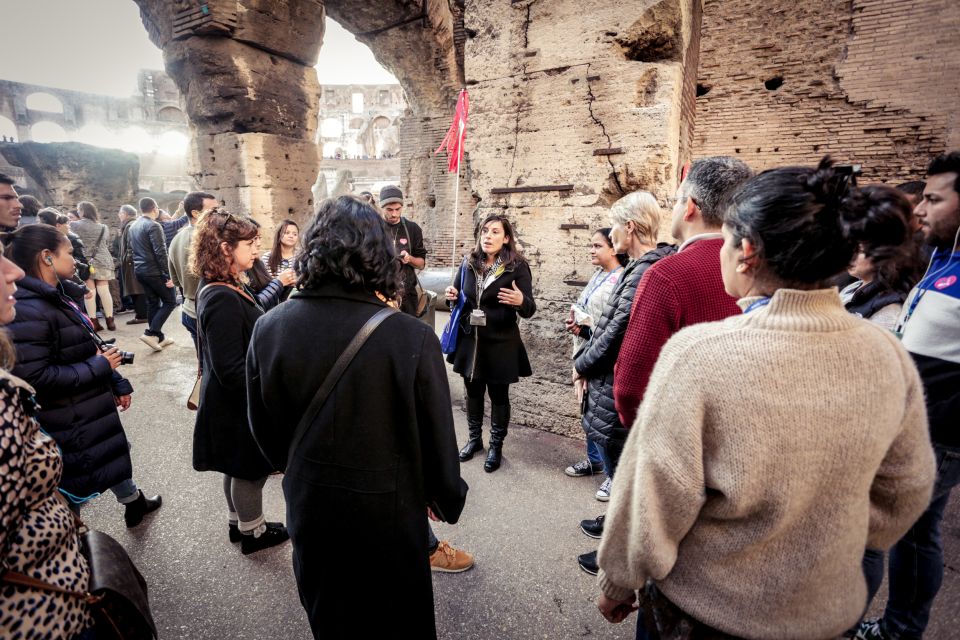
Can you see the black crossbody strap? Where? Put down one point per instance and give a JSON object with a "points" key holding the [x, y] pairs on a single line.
{"points": [[334, 376]]}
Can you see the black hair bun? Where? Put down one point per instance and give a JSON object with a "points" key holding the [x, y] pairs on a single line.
{"points": [[842, 204]]}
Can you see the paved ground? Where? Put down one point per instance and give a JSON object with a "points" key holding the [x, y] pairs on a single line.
{"points": [[521, 523]]}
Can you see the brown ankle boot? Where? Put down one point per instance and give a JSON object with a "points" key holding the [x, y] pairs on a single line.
{"points": [[111, 325], [96, 324]]}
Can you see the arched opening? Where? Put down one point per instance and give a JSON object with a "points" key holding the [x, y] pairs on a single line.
{"points": [[46, 102], [380, 122], [171, 114], [331, 128], [8, 130], [46, 131]]}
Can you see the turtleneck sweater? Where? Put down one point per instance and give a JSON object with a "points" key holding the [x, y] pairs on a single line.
{"points": [[763, 461]]}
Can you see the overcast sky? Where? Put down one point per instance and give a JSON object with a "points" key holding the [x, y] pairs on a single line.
{"points": [[99, 45]]}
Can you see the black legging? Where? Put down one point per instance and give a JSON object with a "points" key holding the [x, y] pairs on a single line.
{"points": [[499, 393]]}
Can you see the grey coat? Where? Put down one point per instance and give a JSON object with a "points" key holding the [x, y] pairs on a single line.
{"points": [[594, 361], [96, 242]]}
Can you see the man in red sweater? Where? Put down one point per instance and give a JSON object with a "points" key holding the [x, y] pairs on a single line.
{"points": [[683, 289]]}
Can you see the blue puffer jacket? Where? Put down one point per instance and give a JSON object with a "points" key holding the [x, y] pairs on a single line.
{"points": [[75, 388]]}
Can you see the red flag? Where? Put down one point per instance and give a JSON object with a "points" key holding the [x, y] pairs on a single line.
{"points": [[453, 141]]}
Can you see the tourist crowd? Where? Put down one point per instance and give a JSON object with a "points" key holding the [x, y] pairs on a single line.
{"points": [[773, 401]]}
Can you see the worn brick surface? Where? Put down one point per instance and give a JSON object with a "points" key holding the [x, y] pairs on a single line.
{"points": [[874, 82]]}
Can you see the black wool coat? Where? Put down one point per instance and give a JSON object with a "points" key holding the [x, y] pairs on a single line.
{"points": [[75, 388], [493, 353], [595, 359], [221, 437], [380, 451]]}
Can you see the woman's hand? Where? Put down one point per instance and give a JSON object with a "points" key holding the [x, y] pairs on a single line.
{"points": [[113, 357], [451, 293], [510, 297], [569, 323], [287, 277], [122, 402], [616, 611]]}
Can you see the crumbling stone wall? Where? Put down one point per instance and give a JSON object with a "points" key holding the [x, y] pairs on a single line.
{"points": [[61, 174], [572, 109], [873, 82]]}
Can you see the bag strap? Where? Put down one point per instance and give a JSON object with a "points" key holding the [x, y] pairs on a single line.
{"points": [[226, 284], [320, 398], [18, 579]]}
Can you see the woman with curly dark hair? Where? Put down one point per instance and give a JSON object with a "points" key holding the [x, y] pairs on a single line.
{"points": [[223, 249], [497, 284], [886, 265], [380, 455]]}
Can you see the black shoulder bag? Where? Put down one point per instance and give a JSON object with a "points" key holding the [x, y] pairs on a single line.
{"points": [[334, 377]]}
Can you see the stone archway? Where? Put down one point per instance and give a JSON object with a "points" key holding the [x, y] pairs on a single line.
{"points": [[570, 110]]}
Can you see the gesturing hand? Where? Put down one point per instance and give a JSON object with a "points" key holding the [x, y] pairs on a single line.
{"points": [[287, 277], [511, 297], [122, 402], [451, 293]]}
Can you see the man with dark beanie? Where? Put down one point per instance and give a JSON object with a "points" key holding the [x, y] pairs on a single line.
{"points": [[408, 242]]}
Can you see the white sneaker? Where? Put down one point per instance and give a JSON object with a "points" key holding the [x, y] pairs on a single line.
{"points": [[603, 493], [166, 342], [151, 341]]}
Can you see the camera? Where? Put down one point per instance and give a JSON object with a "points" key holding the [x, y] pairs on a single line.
{"points": [[125, 356]]}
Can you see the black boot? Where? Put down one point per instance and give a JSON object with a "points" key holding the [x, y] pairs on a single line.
{"points": [[133, 515], [499, 419], [475, 427]]}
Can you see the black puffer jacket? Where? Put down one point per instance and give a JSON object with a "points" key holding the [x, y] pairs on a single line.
{"points": [[75, 388], [149, 247], [595, 359]]}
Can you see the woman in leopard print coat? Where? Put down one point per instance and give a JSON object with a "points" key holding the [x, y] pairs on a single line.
{"points": [[38, 534]]}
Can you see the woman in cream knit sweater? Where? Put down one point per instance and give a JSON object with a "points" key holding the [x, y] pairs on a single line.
{"points": [[763, 460]]}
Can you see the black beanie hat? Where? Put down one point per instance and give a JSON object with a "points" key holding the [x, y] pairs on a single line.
{"points": [[390, 194]]}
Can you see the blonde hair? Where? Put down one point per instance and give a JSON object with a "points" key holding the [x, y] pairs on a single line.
{"points": [[642, 209]]}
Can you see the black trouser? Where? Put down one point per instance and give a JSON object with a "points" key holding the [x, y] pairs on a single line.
{"points": [[499, 393], [161, 300]]}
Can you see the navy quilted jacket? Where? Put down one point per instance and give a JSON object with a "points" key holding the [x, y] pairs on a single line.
{"points": [[75, 388]]}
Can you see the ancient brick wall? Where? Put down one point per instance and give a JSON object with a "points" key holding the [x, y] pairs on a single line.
{"points": [[872, 82]]}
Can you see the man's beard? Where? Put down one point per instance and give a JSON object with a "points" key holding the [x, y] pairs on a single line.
{"points": [[944, 235]]}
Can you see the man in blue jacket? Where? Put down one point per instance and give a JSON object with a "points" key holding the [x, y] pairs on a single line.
{"points": [[153, 272], [930, 330]]}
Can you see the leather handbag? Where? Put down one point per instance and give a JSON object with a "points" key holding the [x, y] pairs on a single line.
{"points": [[448, 339], [193, 400], [116, 595]]}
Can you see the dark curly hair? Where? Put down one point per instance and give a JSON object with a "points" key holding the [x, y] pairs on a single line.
{"points": [[215, 227], [347, 242], [805, 222], [887, 239], [510, 255]]}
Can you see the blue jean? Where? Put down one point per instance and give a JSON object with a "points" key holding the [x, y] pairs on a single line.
{"points": [[916, 561], [432, 542], [125, 489], [593, 452], [610, 453], [161, 300], [191, 325]]}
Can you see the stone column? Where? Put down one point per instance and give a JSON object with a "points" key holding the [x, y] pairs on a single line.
{"points": [[246, 70], [584, 106]]}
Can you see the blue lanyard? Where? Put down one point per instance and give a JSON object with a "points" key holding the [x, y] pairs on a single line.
{"points": [[756, 304], [599, 284]]}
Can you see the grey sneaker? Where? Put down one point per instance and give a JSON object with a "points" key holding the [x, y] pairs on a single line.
{"points": [[603, 493], [151, 341], [583, 468]]}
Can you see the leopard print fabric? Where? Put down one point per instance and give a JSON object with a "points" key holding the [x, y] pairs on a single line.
{"points": [[38, 535]]}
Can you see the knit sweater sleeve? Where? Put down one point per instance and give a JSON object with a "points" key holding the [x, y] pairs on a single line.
{"points": [[659, 489], [902, 487], [654, 318]]}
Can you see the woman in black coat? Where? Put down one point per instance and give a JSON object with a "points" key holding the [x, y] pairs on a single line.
{"points": [[490, 354], [223, 248], [381, 450], [77, 384]]}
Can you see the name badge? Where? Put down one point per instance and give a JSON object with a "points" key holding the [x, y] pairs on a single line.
{"points": [[478, 318]]}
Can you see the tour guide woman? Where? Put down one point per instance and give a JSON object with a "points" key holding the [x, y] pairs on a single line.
{"points": [[762, 461], [490, 354]]}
